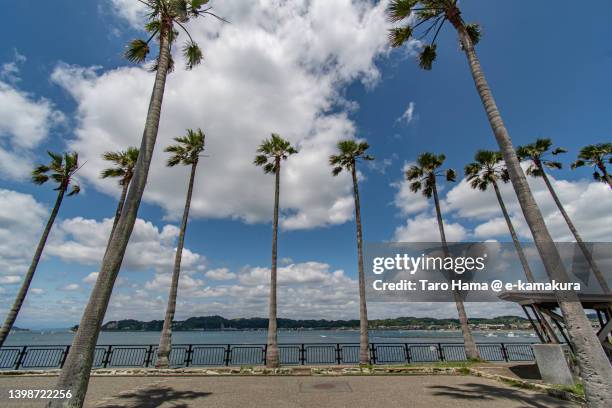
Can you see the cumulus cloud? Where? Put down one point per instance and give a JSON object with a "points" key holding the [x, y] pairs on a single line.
{"points": [[71, 287], [424, 228], [279, 67], [84, 241], [220, 274], [307, 290], [25, 121], [586, 202], [21, 222]]}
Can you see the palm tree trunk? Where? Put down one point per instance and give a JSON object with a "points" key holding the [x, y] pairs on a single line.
{"points": [[272, 358], [517, 244], [165, 341], [594, 365], [585, 251], [471, 351], [124, 190], [27, 280], [77, 367], [604, 172], [364, 353]]}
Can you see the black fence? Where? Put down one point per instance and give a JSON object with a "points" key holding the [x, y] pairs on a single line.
{"points": [[189, 355]]}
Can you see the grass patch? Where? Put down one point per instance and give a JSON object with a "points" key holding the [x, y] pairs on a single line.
{"points": [[577, 389]]}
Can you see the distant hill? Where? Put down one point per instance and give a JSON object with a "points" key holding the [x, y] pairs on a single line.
{"points": [[253, 323]]}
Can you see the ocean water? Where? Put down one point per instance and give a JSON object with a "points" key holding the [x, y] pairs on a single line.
{"points": [[64, 337]]}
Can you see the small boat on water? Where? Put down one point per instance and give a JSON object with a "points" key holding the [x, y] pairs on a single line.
{"points": [[511, 334]]}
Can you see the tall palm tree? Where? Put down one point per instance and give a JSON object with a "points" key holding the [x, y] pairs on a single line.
{"points": [[350, 153], [186, 152], [270, 155], [163, 16], [536, 153], [487, 169], [61, 170], [596, 156], [430, 16], [423, 177], [124, 162]]}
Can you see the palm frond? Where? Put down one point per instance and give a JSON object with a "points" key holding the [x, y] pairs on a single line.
{"points": [[427, 56], [474, 32], [192, 54], [137, 51]]}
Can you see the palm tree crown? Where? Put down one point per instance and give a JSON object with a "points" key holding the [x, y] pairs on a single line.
{"points": [[537, 153], [350, 152], [272, 151], [124, 161], [188, 148], [423, 175], [61, 170], [427, 17], [161, 16], [487, 168], [596, 156]]}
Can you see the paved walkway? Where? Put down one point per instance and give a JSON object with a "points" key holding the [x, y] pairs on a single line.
{"points": [[287, 392]]}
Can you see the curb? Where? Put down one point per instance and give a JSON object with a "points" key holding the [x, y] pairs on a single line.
{"points": [[543, 388]]}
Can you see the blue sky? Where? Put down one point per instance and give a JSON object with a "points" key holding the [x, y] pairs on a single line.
{"points": [[549, 78]]}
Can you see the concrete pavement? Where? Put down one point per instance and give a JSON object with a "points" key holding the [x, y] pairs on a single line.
{"points": [[440, 391]]}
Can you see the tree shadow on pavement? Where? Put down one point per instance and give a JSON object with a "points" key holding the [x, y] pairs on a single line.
{"points": [[153, 397], [486, 392]]}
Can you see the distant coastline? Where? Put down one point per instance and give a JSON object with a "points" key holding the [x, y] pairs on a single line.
{"points": [[216, 323]]}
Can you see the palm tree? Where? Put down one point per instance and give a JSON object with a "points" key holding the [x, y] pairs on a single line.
{"points": [[487, 169], [270, 155], [61, 170], [350, 153], [187, 152], [430, 16], [536, 153], [423, 177], [124, 162], [163, 16], [596, 156]]}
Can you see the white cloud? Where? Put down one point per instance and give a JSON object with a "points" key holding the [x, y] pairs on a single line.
{"points": [[84, 241], [424, 228], [37, 291], [220, 274], [586, 202], [405, 200], [24, 121], [10, 279], [9, 71], [91, 278], [408, 114], [132, 11], [307, 290], [21, 222], [71, 287], [287, 62]]}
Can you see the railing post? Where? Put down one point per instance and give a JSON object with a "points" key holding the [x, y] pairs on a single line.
{"points": [[441, 352], [303, 354], [22, 354], [504, 352], [64, 357], [408, 357], [265, 354], [107, 356], [373, 354], [338, 355], [188, 355], [149, 355], [228, 352]]}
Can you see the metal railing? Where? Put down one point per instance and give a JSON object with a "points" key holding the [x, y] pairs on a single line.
{"points": [[189, 355]]}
